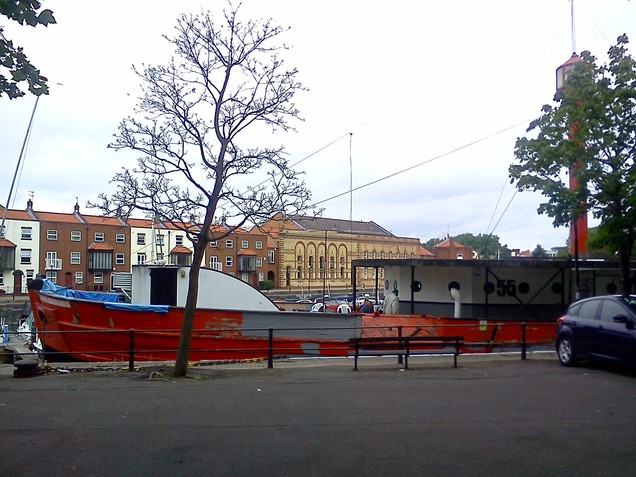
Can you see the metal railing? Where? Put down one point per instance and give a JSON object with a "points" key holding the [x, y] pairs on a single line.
{"points": [[268, 346]]}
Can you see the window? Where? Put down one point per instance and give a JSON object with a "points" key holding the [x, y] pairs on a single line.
{"points": [[98, 277], [76, 236], [460, 256], [51, 234], [259, 245], [25, 256], [270, 256], [30, 274], [141, 258], [99, 237], [215, 264], [610, 310], [259, 262], [119, 259], [229, 243], [245, 244], [178, 239], [1, 280], [141, 239], [212, 243], [51, 275], [261, 277], [26, 233], [120, 238], [75, 258], [79, 277], [229, 261], [587, 310], [159, 239]]}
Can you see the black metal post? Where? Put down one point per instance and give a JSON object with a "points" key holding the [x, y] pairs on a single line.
{"points": [[523, 340], [270, 349], [400, 336], [131, 350]]}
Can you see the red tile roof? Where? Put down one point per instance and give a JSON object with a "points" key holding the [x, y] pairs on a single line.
{"points": [[181, 250], [6, 243], [100, 246]]}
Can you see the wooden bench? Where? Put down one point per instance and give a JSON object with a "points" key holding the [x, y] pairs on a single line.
{"points": [[406, 346]]}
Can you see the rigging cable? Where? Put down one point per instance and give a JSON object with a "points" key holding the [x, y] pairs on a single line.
{"points": [[427, 161]]}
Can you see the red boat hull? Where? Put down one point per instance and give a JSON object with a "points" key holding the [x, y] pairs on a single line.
{"points": [[91, 331]]}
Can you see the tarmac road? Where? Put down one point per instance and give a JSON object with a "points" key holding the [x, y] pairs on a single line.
{"points": [[490, 417]]}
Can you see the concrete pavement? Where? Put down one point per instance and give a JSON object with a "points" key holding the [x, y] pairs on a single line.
{"points": [[494, 416]]}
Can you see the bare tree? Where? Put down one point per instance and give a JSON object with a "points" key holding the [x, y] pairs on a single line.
{"points": [[224, 80]]}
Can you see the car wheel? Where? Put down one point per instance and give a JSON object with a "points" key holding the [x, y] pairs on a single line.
{"points": [[565, 351]]}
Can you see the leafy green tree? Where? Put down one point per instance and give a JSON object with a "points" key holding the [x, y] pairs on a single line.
{"points": [[14, 64], [486, 245], [539, 252], [226, 79], [590, 133]]}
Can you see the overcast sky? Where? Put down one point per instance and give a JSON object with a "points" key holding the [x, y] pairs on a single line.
{"points": [[444, 86]]}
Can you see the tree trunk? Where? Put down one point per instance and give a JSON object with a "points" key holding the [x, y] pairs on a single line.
{"points": [[183, 353], [624, 254]]}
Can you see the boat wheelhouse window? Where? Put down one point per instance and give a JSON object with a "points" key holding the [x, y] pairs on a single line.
{"points": [[119, 259], [26, 233], [245, 244], [229, 261], [259, 245], [79, 277], [25, 256], [75, 258], [99, 236], [51, 234], [120, 238], [141, 239], [98, 277], [76, 235], [229, 243]]}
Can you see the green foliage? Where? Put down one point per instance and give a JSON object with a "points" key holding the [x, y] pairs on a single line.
{"points": [[487, 246], [539, 252], [266, 285], [589, 135], [14, 64]]}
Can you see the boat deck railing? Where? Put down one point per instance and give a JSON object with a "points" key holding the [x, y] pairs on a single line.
{"points": [[271, 343]]}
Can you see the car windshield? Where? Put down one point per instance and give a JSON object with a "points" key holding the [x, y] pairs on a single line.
{"points": [[630, 301]]}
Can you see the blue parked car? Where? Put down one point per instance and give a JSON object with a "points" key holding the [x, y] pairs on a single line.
{"points": [[602, 328]]}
